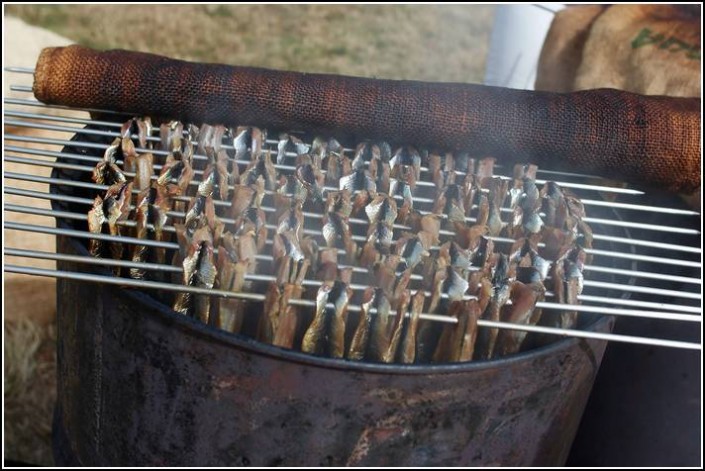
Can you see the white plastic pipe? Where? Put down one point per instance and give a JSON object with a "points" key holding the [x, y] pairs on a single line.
{"points": [[517, 36]]}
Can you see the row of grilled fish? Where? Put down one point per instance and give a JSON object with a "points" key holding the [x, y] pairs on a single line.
{"points": [[463, 277]]}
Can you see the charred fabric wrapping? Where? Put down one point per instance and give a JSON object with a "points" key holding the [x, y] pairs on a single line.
{"points": [[451, 247], [645, 140]]}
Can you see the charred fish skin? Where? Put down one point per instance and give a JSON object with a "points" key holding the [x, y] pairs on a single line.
{"points": [[285, 330], [340, 295], [522, 311], [361, 337], [408, 344], [500, 295], [289, 143], [315, 334], [113, 208], [200, 271], [312, 180], [396, 336], [142, 210]]}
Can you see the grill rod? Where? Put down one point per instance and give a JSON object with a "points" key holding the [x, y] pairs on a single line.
{"points": [[619, 223], [96, 132], [83, 168], [173, 245], [629, 256], [316, 284], [302, 302], [616, 271], [357, 221], [617, 286], [178, 214], [65, 119], [187, 199], [53, 164]]}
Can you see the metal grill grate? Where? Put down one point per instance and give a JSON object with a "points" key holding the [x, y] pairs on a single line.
{"points": [[640, 268]]}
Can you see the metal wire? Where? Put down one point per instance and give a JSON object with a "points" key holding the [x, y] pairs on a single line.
{"points": [[40, 179], [302, 302], [34, 178], [45, 163], [316, 284], [592, 220], [676, 312], [625, 287]]}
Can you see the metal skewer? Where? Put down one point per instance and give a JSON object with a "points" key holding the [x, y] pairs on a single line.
{"points": [[302, 302]]}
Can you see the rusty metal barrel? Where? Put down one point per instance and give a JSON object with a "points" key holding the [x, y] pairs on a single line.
{"points": [[140, 385]]}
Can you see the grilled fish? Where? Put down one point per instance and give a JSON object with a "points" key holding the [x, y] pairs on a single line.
{"points": [[457, 342], [406, 157], [142, 213], [390, 354], [106, 172], [361, 186], [336, 165], [361, 337], [497, 194], [248, 143], [269, 319], [111, 209], [289, 143], [199, 271], [263, 168], [231, 276], [171, 135], [382, 209], [399, 189], [336, 226], [289, 188], [245, 197], [285, 329], [501, 289], [292, 219], [413, 248], [339, 202], [312, 180], [450, 203], [143, 167], [408, 343], [522, 311], [315, 336]]}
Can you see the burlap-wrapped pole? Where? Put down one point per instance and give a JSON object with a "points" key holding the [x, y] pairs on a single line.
{"points": [[645, 140]]}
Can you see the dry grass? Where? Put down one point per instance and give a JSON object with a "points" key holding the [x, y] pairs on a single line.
{"points": [[30, 391], [443, 43], [440, 43]]}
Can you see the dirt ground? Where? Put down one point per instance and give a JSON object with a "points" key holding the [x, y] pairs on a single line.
{"points": [[439, 43]]}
